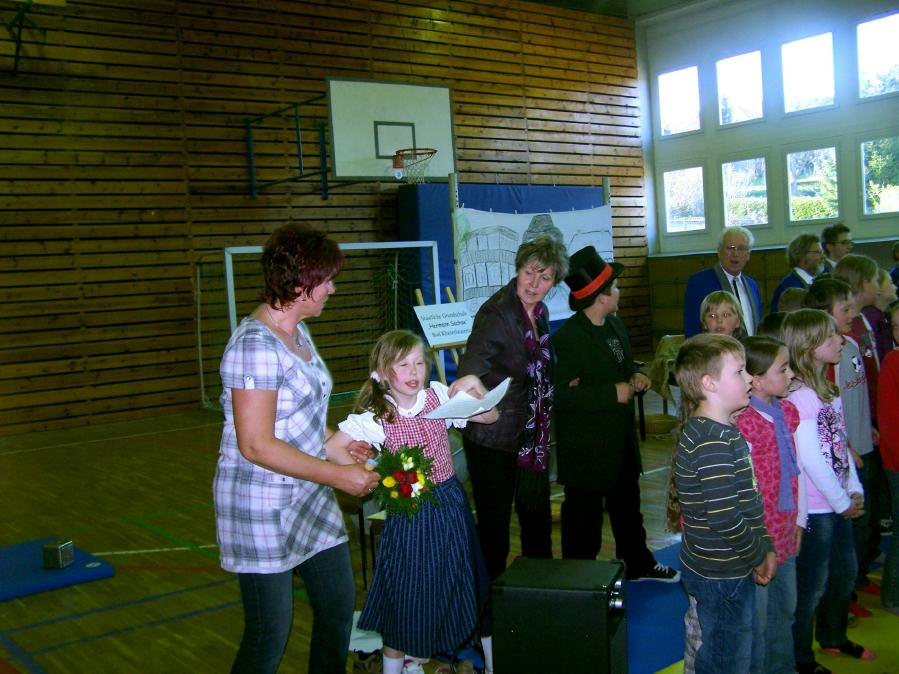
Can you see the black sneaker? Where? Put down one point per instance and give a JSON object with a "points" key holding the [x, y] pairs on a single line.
{"points": [[661, 573]]}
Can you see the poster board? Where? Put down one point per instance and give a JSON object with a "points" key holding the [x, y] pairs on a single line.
{"points": [[486, 243]]}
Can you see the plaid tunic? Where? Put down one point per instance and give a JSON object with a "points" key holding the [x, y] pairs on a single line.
{"points": [[267, 522]]}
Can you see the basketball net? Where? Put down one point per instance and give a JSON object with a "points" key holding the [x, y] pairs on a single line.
{"points": [[411, 164]]}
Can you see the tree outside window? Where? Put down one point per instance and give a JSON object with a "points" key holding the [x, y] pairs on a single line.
{"points": [[684, 201], [880, 169], [808, 73], [813, 184], [878, 56], [745, 192], [679, 101]]}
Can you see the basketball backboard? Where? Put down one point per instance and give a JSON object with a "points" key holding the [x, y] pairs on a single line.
{"points": [[371, 120]]}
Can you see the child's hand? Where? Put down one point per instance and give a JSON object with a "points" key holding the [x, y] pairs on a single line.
{"points": [[625, 391], [574, 382], [640, 382], [361, 451], [764, 572], [856, 509]]}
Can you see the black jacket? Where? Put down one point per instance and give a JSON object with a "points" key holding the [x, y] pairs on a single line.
{"points": [[496, 350], [596, 439]]}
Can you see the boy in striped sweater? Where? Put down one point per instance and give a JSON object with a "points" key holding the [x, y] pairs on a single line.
{"points": [[725, 549]]}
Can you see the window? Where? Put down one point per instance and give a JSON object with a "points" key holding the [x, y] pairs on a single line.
{"points": [[679, 101], [813, 184], [739, 88], [684, 202], [808, 73], [880, 172], [745, 192], [878, 56]]}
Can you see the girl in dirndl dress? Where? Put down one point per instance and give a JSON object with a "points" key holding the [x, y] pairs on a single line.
{"points": [[430, 582]]}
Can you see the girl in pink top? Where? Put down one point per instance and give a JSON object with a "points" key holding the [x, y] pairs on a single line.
{"points": [[768, 425]]}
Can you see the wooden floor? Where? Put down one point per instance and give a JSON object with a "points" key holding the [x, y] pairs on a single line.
{"points": [[139, 496]]}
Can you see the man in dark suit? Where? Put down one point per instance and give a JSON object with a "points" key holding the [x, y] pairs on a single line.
{"points": [[734, 249], [598, 457], [804, 257]]}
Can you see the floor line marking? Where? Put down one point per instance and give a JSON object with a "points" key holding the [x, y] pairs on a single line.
{"points": [[175, 539], [109, 439], [20, 655], [148, 551], [123, 604], [133, 628]]}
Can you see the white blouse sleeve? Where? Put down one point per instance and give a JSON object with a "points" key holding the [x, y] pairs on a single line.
{"points": [[363, 427], [442, 391]]}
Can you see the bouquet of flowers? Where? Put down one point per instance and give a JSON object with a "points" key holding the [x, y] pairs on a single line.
{"points": [[405, 480]]}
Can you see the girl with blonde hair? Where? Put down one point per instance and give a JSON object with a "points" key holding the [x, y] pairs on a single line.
{"points": [[826, 567]]}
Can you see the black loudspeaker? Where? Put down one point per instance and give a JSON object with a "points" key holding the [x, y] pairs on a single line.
{"points": [[560, 615]]}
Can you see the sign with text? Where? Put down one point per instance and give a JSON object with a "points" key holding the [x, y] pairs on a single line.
{"points": [[445, 325]]}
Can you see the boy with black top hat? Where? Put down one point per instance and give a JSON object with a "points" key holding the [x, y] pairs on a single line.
{"points": [[597, 450]]}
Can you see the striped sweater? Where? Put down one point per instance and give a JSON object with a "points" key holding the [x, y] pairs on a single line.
{"points": [[724, 533]]}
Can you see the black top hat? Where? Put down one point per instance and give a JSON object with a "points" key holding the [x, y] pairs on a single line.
{"points": [[589, 274]]}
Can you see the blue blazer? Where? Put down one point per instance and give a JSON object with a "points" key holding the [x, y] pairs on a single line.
{"points": [[708, 281], [791, 280]]}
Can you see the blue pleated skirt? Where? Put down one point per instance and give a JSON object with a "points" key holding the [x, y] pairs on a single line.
{"points": [[430, 582]]}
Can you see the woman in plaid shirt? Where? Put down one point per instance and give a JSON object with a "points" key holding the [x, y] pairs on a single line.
{"points": [[275, 508]]}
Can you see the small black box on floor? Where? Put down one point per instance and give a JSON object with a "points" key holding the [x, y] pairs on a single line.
{"points": [[58, 554], [560, 615]]}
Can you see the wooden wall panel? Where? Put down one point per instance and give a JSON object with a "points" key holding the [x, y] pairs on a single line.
{"points": [[123, 171]]}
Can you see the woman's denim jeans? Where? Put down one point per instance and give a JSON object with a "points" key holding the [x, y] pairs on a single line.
{"points": [[268, 614], [726, 611], [825, 575]]}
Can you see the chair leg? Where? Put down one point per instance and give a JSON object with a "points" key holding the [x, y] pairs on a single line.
{"points": [[362, 547], [642, 414]]}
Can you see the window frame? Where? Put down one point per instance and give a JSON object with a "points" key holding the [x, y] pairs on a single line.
{"points": [[680, 166], [744, 156], [841, 204], [755, 120]]}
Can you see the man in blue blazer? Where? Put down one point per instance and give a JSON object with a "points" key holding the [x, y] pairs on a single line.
{"points": [[804, 255], [734, 249]]}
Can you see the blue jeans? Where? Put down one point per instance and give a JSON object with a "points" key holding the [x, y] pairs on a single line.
{"points": [[889, 591], [825, 575], [268, 614], [726, 610], [775, 605]]}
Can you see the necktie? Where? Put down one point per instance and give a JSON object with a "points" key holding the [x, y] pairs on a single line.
{"points": [[736, 290]]}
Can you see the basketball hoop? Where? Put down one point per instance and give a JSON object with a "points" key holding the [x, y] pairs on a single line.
{"points": [[412, 163]]}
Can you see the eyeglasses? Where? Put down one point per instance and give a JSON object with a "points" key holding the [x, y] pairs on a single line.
{"points": [[737, 249]]}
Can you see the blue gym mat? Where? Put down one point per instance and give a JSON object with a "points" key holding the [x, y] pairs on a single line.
{"points": [[22, 570], [655, 619]]}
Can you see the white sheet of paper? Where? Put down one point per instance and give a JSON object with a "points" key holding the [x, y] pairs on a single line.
{"points": [[462, 405]]}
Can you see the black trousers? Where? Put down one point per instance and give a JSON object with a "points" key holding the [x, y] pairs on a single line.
{"points": [[582, 520], [493, 480]]}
